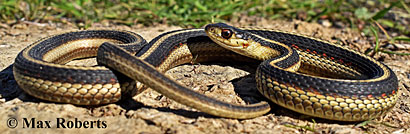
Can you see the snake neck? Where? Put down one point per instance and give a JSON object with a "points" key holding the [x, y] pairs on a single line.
{"points": [[259, 52]]}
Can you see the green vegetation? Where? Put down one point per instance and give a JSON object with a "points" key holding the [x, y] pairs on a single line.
{"points": [[357, 14], [365, 125], [306, 127]]}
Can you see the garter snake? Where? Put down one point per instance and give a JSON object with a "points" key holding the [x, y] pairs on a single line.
{"points": [[333, 82], [40, 72]]}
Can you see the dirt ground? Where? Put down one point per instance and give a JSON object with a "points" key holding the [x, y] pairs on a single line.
{"points": [[151, 112]]}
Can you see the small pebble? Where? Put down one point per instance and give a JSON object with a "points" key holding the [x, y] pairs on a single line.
{"points": [[5, 45], [326, 23]]}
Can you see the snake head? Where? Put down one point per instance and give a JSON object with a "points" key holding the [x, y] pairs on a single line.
{"points": [[228, 36], [234, 39], [239, 41]]}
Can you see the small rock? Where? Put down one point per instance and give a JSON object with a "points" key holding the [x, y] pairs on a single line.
{"points": [[325, 23], [20, 26], [188, 121], [13, 102], [4, 45], [339, 24], [400, 131]]}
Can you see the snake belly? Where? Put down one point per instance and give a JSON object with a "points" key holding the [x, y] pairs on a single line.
{"points": [[333, 82], [39, 71]]}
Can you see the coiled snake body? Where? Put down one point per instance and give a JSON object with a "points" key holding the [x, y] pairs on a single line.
{"points": [[333, 83]]}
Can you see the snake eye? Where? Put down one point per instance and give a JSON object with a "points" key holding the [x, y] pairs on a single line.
{"points": [[226, 33]]}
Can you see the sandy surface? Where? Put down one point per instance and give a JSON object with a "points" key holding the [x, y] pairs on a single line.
{"points": [[151, 112]]}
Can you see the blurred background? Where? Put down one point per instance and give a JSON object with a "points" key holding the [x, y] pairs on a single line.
{"points": [[387, 19]]}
